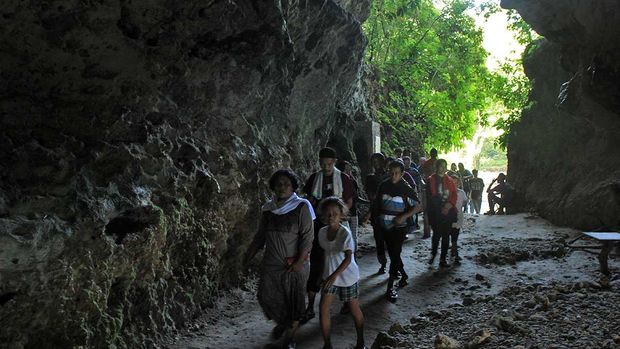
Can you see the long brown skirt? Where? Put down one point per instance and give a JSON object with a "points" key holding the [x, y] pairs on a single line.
{"points": [[282, 294]]}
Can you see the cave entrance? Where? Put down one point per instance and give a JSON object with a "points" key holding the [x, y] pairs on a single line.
{"points": [[447, 75]]}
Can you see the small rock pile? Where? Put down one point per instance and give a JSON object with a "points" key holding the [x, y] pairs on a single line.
{"points": [[512, 251], [559, 316]]}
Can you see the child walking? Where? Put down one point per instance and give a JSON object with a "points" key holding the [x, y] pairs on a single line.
{"points": [[461, 198], [341, 273]]}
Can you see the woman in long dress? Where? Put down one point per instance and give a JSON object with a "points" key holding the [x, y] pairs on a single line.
{"points": [[286, 232]]}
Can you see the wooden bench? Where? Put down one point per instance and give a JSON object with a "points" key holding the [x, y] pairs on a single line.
{"points": [[606, 240]]}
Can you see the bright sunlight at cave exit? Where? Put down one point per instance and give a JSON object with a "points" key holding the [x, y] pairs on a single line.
{"points": [[501, 45]]}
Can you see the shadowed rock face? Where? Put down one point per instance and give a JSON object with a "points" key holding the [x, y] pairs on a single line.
{"points": [[135, 142], [563, 155]]}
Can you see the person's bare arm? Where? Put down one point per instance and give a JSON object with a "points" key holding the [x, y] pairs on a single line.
{"points": [[491, 185], [345, 263]]}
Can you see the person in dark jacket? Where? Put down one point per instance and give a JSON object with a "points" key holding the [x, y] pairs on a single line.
{"points": [[394, 203]]}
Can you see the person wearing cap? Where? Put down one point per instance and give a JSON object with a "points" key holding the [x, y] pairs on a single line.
{"points": [[327, 182]]}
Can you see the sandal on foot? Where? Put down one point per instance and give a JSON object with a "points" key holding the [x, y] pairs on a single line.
{"points": [[391, 295], [403, 282]]}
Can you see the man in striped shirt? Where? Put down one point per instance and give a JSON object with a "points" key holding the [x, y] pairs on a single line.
{"points": [[394, 203]]}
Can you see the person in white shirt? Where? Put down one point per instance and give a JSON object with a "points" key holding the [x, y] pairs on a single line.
{"points": [[340, 274], [461, 198]]}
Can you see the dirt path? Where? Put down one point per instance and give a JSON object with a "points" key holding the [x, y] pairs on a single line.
{"points": [[498, 251]]}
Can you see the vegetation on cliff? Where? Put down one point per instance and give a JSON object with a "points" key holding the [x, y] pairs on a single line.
{"points": [[431, 82]]}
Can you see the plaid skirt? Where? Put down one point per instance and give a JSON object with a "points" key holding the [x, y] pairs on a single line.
{"points": [[345, 294]]}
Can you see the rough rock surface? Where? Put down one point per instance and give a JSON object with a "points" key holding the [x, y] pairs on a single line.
{"points": [[578, 315], [135, 141], [563, 155]]}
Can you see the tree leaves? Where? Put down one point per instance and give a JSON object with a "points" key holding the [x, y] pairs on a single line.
{"points": [[429, 63], [429, 66]]}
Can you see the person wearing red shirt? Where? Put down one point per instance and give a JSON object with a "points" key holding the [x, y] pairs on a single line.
{"points": [[441, 195]]}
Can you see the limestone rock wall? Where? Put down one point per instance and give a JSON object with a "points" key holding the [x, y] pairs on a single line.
{"points": [[136, 138], [564, 155]]}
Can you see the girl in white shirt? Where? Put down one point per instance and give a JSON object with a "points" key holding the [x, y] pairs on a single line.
{"points": [[341, 273]]}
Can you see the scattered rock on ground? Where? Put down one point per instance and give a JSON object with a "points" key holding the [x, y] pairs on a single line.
{"points": [[445, 342], [560, 315], [479, 339]]}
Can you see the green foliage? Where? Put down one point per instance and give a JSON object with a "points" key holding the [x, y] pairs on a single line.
{"points": [[429, 66], [511, 86], [492, 157]]}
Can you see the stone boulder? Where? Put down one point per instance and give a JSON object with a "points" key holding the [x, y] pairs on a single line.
{"points": [[563, 153], [135, 142]]}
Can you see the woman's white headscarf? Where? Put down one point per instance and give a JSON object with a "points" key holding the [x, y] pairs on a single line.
{"points": [[290, 204]]}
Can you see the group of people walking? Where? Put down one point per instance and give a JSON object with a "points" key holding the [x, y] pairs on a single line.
{"points": [[305, 254], [310, 242]]}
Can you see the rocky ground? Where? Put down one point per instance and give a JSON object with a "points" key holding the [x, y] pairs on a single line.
{"points": [[518, 287], [558, 316]]}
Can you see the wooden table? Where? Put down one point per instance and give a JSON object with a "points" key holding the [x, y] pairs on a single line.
{"points": [[606, 239]]}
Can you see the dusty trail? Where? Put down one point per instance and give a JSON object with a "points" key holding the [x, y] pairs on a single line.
{"points": [[498, 251]]}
